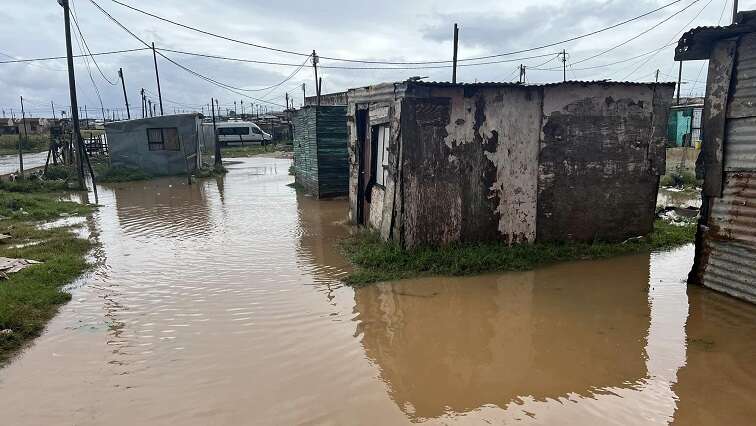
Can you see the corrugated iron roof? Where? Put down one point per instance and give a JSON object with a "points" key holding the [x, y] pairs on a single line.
{"points": [[509, 84], [696, 44]]}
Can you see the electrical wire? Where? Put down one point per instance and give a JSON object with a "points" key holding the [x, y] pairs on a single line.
{"points": [[89, 71], [260, 46], [52, 58], [676, 36], [228, 87], [86, 46], [703, 64], [638, 35]]}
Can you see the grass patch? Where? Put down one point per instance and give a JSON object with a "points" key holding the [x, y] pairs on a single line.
{"points": [[31, 297], [108, 174], [252, 150], [376, 260], [32, 143], [210, 171], [679, 179]]}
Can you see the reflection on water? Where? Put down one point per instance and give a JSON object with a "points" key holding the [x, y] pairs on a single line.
{"points": [[220, 303]]}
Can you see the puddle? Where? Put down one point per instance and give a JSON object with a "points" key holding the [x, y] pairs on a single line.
{"points": [[674, 197], [220, 303]]}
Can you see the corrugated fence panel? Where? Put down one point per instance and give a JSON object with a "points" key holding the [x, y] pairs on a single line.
{"points": [[740, 144], [731, 269], [305, 150], [733, 216], [731, 240], [333, 157], [743, 97]]}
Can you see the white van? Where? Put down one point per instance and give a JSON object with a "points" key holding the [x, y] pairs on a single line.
{"points": [[230, 132]]}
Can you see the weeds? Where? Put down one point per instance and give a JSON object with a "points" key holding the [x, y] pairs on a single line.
{"points": [[207, 172], [376, 260], [32, 143], [679, 179], [107, 174]]}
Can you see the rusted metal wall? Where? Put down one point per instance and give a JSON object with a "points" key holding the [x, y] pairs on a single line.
{"points": [[602, 152], [726, 244]]}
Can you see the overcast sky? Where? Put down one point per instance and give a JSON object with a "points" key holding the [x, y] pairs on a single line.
{"points": [[390, 30]]}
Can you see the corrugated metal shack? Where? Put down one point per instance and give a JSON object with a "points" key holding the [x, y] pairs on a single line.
{"points": [[320, 150], [164, 145], [726, 240], [684, 124], [436, 163]]}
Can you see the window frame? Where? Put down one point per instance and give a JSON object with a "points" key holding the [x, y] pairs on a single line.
{"points": [[153, 145], [381, 153]]}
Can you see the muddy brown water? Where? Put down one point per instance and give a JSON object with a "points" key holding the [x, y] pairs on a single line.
{"points": [[220, 303]]}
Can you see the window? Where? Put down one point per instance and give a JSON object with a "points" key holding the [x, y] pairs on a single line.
{"points": [[233, 131], [256, 131], [380, 159], [165, 139]]}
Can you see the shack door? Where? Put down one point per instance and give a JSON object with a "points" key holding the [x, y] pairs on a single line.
{"points": [[364, 176]]}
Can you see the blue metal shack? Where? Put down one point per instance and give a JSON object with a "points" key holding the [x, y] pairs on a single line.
{"points": [[321, 163]]}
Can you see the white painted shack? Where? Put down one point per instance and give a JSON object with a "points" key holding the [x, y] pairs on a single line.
{"points": [[437, 163], [165, 145], [726, 240]]}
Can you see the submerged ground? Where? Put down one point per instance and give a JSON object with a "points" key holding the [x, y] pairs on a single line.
{"points": [[222, 303]]}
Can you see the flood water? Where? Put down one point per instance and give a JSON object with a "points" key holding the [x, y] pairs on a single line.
{"points": [[220, 303], [9, 163]]}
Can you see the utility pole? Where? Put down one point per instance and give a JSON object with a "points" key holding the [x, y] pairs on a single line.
{"points": [[144, 104], [20, 144], [657, 75], [564, 65], [287, 100], [679, 83], [218, 160], [52, 105], [734, 10], [522, 73], [149, 107], [74, 103], [234, 107], [242, 107], [157, 77], [456, 45], [315, 66], [125, 98], [304, 94]]}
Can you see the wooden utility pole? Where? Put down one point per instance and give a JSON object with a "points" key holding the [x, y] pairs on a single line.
{"points": [[20, 144], [52, 105], [157, 77], [454, 60], [317, 85], [144, 104], [287, 100], [564, 65], [734, 10], [304, 94], [679, 83], [218, 160], [522, 73], [74, 103], [125, 98], [149, 107], [657, 75]]}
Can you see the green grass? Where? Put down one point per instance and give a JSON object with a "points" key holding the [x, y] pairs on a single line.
{"points": [[376, 260], [679, 179], [107, 174], [252, 150], [207, 172], [31, 297], [33, 143]]}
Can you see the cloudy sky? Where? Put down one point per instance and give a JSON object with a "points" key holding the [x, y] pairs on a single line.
{"points": [[397, 31]]}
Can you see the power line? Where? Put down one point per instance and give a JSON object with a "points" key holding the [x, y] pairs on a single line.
{"points": [[260, 46], [638, 35], [52, 58], [187, 69], [83, 40], [687, 25], [703, 64]]}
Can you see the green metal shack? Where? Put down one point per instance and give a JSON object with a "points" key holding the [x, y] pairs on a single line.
{"points": [[321, 163]]}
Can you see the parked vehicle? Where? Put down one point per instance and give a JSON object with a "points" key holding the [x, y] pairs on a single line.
{"points": [[241, 132]]}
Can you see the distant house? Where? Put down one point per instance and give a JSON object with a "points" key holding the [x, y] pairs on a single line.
{"points": [[321, 164], [438, 163], [163, 145], [684, 124], [725, 257]]}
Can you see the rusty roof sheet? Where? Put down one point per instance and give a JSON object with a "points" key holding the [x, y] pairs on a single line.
{"points": [[696, 44], [509, 84]]}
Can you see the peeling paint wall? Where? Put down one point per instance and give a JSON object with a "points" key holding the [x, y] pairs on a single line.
{"points": [[516, 163], [600, 160]]}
